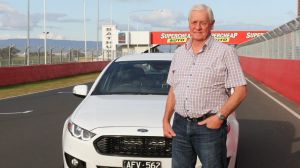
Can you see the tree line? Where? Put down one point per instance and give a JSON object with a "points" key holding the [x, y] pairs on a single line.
{"points": [[4, 52]]}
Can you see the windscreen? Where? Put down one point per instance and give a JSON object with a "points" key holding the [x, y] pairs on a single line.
{"points": [[134, 77]]}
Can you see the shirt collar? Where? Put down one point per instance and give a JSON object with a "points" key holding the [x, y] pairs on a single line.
{"points": [[207, 45]]}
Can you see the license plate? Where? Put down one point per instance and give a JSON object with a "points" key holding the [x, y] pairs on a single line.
{"points": [[141, 164]]}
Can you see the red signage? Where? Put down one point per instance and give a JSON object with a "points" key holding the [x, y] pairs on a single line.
{"points": [[228, 37]]}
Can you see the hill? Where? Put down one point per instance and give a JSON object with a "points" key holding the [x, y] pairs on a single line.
{"points": [[57, 44]]}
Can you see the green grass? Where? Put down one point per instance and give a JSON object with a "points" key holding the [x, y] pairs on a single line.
{"points": [[16, 90]]}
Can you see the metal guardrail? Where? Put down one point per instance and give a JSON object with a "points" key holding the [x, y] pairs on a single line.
{"points": [[71, 55], [281, 43]]}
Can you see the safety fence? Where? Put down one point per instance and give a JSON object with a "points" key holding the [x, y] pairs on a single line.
{"points": [[10, 59], [274, 59], [11, 56], [25, 74], [280, 43]]}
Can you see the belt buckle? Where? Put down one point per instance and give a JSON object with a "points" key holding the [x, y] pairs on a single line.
{"points": [[191, 119], [188, 118]]}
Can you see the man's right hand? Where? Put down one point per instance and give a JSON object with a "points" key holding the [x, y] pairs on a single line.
{"points": [[168, 131]]}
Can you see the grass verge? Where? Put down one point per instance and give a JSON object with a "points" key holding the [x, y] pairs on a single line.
{"points": [[22, 89]]}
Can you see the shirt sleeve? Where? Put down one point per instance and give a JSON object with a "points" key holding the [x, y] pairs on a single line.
{"points": [[234, 76]]}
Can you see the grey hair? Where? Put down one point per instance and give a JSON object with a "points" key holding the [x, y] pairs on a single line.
{"points": [[202, 7]]}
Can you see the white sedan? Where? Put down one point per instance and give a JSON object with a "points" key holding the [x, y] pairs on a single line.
{"points": [[119, 123]]}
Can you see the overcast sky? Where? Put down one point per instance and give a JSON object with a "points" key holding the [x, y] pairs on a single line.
{"points": [[65, 17]]}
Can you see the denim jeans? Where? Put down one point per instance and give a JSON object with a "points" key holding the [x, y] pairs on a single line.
{"points": [[193, 140]]}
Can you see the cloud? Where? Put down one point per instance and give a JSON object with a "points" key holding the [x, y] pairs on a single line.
{"points": [[9, 36], [160, 18], [10, 19], [4, 8], [14, 21], [61, 17]]}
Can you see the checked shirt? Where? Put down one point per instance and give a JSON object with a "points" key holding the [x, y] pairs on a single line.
{"points": [[200, 80]]}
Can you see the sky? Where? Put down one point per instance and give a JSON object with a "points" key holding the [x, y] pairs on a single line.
{"points": [[65, 17]]}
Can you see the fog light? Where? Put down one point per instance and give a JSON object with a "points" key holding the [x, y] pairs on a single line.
{"points": [[74, 162]]}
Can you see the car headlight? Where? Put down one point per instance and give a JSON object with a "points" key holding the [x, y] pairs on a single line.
{"points": [[79, 132]]}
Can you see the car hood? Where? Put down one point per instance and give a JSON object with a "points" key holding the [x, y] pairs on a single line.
{"points": [[120, 111]]}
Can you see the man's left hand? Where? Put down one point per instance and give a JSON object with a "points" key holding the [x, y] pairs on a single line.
{"points": [[212, 122]]}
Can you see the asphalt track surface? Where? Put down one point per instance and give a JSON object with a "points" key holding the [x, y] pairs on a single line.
{"points": [[31, 129]]}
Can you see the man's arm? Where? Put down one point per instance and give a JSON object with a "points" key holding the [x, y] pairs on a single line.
{"points": [[232, 103], [169, 110]]}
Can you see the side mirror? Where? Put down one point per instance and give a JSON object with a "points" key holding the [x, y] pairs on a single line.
{"points": [[80, 91]]}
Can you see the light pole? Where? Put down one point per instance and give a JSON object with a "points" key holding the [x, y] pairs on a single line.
{"points": [[84, 27], [98, 28], [127, 39], [45, 45], [45, 33], [28, 32], [26, 59], [9, 53]]}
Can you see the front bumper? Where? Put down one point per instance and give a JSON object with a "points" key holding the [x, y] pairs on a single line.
{"points": [[87, 156]]}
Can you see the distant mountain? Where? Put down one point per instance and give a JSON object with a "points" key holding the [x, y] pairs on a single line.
{"points": [[57, 44]]}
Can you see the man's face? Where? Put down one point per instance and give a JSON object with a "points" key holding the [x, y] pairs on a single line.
{"points": [[200, 25]]}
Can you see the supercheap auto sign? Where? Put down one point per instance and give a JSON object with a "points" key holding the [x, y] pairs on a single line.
{"points": [[228, 37]]}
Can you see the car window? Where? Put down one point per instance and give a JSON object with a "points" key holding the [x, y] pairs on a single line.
{"points": [[135, 77]]}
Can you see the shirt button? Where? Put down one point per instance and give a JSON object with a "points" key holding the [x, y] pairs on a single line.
{"points": [[193, 63], [190, 74], [187, 86]]}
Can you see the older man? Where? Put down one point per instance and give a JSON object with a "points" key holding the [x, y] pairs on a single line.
{"points": [[201, 71]]}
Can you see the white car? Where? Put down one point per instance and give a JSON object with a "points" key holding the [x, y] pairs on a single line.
{"points": [[119, 123]]}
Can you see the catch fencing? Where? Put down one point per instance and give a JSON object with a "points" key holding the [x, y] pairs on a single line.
{"points": [[274, 59]]}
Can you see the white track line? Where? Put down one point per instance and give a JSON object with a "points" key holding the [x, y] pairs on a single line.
{"points": [[276, 100], [12, 113], [64, 92], [63, 87]]}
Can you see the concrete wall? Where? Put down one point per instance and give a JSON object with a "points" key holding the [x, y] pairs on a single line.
{"points": [[25, 74], [281, 75]]}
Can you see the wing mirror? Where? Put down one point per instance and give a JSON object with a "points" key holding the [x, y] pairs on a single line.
{"points": [[80, 91]]}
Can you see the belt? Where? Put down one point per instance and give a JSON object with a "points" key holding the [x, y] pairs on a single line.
{"points": [[199, 119]]}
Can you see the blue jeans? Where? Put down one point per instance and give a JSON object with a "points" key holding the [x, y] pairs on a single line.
{"points": [[192, 140]]}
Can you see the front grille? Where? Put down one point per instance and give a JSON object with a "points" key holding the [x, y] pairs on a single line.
{"points": [[137, 146]]}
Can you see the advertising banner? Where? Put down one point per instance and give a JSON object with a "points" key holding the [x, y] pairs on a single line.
{"points": [[109, 40], [228, 37], [109, 33]]}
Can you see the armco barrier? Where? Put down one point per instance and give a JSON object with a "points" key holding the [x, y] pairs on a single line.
{"points": [[25, 74], [279, 74]]}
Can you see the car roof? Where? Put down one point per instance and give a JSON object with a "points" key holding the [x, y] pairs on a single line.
{"points": [[146, 56]]}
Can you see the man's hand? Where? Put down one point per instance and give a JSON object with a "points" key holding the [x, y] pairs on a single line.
{"points": [[168, 131], [212, 122]]}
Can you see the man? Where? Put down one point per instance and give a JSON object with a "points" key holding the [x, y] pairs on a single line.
{"points": [[200, 73]]}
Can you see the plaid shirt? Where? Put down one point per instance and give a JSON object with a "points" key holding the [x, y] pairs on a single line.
{"points": [[200, 81]]}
